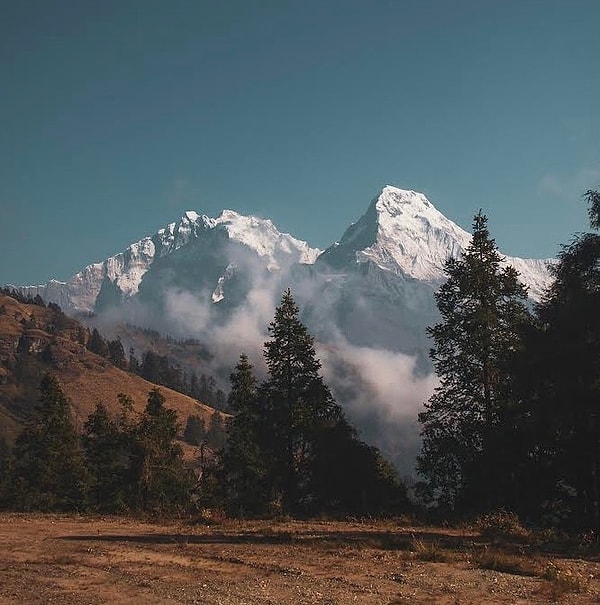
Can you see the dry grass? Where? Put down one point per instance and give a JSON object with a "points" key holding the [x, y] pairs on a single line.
{"points": [[505, 562], [86, 378], [564, 579], [430, 551], [72, 560]]}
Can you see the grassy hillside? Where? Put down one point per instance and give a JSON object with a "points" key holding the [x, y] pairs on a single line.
{"points": [[35, 339]]}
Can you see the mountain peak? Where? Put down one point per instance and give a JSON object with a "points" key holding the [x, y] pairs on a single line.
{"points": [[395, 201], [190, 216], [411, 235], [401, 232]]}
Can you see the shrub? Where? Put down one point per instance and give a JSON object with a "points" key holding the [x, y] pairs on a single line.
{"points": [[501, 524], [497, 560], [563, 580], [428, 551]]}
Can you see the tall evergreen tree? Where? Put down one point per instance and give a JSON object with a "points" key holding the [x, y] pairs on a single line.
{"points": [[49, 469], [289, 445], [299, 403], [244, 463], [562, 384], [216, 433], [108, 445], [464, 422], [195, 430], [163, 482], [97, 344], [116, 353]]}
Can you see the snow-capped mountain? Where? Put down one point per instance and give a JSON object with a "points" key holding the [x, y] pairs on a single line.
{"points": [[122, 274], [375, 285], [403, 233]]}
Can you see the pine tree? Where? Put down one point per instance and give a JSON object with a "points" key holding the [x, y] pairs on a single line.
{"points": [[97, 344], [483, 312], [194, 386], [216, 433], [108, 446], [116, 353], [298, 402], [49, 469], [244, 464], [352, 477], [163, 482], [562, 385], [195, 430], [134, 364]]}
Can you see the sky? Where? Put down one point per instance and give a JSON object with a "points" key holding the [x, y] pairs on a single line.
{"points": [[117, 116]]}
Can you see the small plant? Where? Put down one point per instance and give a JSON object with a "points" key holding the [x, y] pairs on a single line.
{"points": [[588, 541], [428, 551], [210, 516], [497, 560], [501, 524], [563, 580]]}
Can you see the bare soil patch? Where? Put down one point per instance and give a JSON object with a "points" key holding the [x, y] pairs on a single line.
{"points": [[92, 560]]}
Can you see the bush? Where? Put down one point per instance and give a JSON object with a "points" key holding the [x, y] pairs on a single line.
{"points": [[563, 580], [501, 524], [497, 560]]}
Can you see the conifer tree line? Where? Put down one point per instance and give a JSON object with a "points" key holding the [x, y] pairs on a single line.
{"points": [[515, 421], [288, 448], [159, 370], [152, 366], [120, 464]]}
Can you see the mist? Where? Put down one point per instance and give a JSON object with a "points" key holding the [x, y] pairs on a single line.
{"points": [[381, 391]]}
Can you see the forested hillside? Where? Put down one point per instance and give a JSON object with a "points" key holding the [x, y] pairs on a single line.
{"points": [[35, 339]]}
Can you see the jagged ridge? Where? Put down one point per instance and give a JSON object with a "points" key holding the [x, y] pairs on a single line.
{"points": [[401, 232]]}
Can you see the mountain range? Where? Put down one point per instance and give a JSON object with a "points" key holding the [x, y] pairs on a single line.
{"points": [[401, 234]]}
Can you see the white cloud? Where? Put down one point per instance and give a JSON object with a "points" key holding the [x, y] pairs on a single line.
{"points": [[570, 187], [381, 390]]}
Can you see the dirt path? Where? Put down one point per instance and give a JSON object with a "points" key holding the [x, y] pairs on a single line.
{"points": [[81, 560]]}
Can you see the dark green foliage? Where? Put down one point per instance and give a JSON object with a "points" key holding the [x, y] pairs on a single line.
{"points": [[150, 367], [466, 423], [289, 446], [216, 434], [134, 364], [244, 463], [204, 389], [560, 381], [163, 482], [194, 386], [159, 370], [109, 448], [298, 403], [350, 476], [49, 467], [195, 430], [116, 353], [97, 344]]}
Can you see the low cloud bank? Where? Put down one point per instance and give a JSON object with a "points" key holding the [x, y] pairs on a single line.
{"points": [[380, 390]]}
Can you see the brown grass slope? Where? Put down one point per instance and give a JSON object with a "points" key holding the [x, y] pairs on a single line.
{"points": [[35, 339]]}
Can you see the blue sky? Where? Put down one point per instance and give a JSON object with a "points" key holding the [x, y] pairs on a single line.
{"points": [[118, 116]]}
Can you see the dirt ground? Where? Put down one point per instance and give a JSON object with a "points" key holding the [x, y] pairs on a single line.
{"points": [[68, 559]]}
